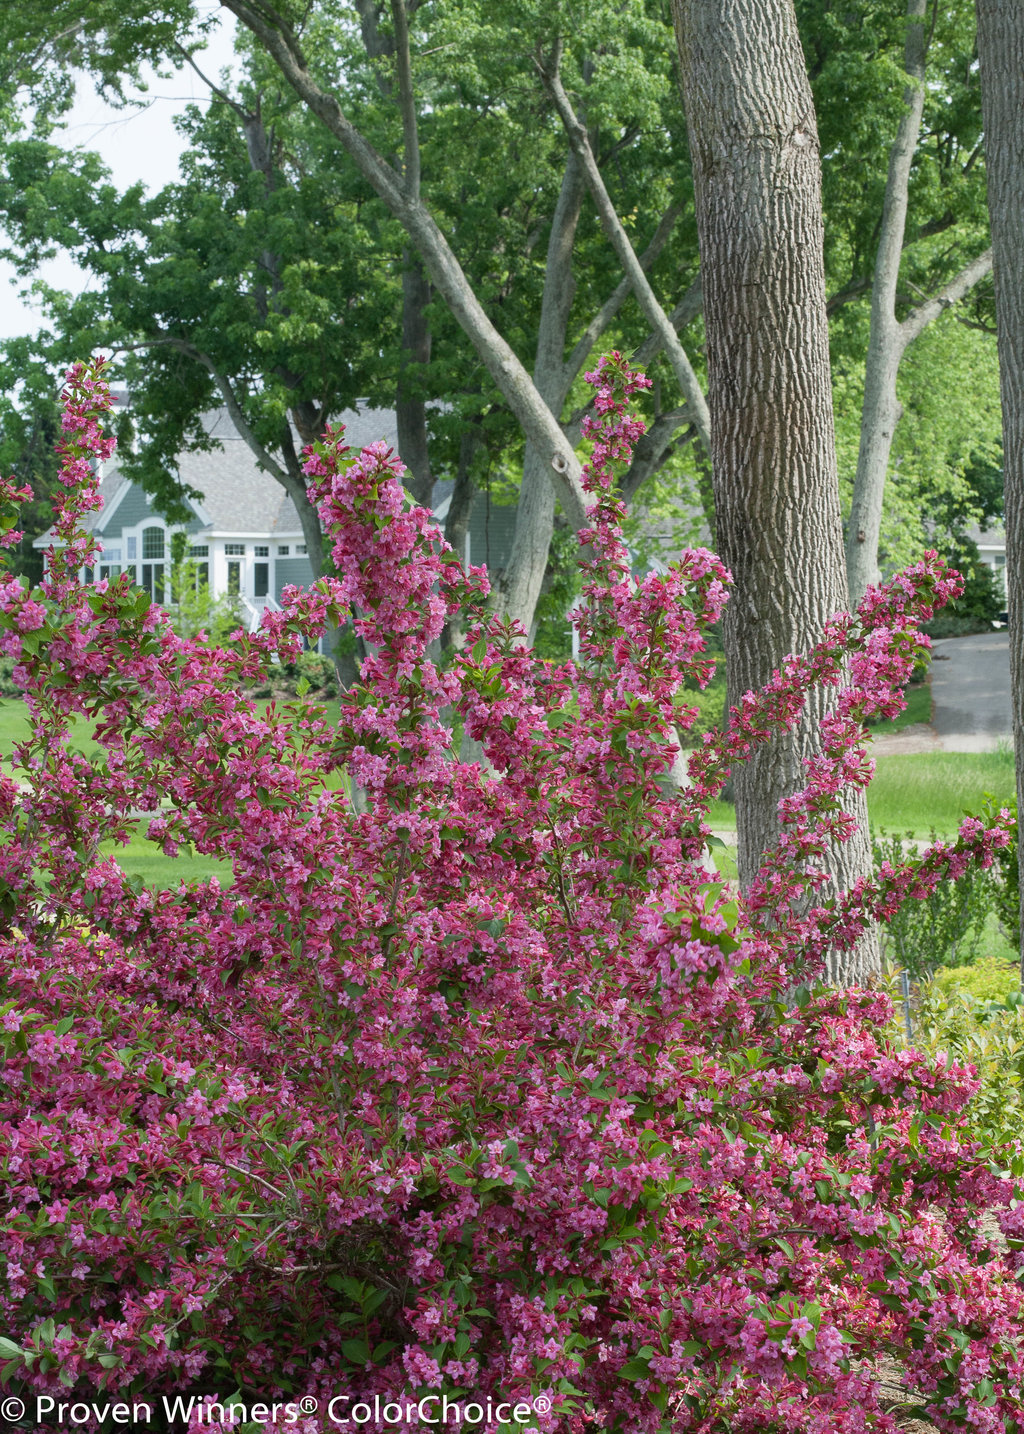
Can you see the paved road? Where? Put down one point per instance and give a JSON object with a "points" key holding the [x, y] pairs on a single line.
{"points": [[971, 692]]}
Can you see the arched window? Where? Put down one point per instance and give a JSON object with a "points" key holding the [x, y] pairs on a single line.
{"points": [[153, 543]]}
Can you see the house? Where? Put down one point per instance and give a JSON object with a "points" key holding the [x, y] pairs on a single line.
{"points": [[991, 544], [244, 534]]}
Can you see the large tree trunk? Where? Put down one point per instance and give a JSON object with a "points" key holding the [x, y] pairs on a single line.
{"points": [[757, 175], [1001, 53]]}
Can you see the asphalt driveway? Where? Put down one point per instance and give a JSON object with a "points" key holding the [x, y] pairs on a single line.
{"points": [[971, 692]]}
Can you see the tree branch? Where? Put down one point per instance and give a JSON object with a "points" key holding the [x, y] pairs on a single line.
{"points": [[407, 98], [685, 312], [950, 294], [222, 95], [847, 294], [611, 306], [619, 239], [501, 362]]}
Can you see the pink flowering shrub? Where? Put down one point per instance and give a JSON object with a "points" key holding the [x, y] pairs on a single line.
{"points": [[485, 1091]]}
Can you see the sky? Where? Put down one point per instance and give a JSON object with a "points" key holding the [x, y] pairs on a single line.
{"points": [[140, 144]]}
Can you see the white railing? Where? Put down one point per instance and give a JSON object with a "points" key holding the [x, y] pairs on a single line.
{"points": [[254, 608]]}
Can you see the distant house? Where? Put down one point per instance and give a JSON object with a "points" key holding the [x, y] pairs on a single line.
{"points": [[992, 552], [244, 534]]}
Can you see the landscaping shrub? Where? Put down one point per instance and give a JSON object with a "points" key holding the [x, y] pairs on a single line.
{"points": [[978, 1024], [944, 928], [991, 981], [485, 1091]]}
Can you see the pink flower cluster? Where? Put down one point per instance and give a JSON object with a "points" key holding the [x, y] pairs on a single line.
{"points": [[478, 1085]]}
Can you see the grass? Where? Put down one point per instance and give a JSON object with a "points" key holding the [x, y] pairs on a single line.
{"points": [[915, 793], [144, 858], [918, 709]]}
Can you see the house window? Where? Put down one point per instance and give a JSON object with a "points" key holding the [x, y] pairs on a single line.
{"points": [[111, 571], [202, 576], [300, 548], [112, 555], [153, 542], [132, 546], [261, 551], [282, 550], [199, 550], [235, 550], [234, 579], [153, 581]]}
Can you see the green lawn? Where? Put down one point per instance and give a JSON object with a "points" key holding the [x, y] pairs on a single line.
{"points": [[144, 858], [909, 793], [934, 789]]}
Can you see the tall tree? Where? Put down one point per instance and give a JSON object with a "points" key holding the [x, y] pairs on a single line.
{"points": [[1001, 56], [757, 176], [890, 335], [455, 202]]}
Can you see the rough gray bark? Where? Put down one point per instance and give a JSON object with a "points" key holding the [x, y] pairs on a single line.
{"points": [[890, 338], [1001, 54], [757, 175]]}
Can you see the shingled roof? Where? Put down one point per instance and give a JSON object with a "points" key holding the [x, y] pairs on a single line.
{"points": [[237, 496]]}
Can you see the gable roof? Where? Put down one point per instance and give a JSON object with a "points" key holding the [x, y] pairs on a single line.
{"points": [[237, 496]]}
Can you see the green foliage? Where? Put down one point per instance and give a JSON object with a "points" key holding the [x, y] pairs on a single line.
{"points": [[986, 1033], [29, 429], [1007, 904], [553, 638], [991, 981], [943, 929], [8, 686]]}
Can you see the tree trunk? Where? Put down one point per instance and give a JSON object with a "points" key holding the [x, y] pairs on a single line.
{"points": [[881, 410], [757, 176], [410, 410], [890, 338], [1001, 53], [519, 585]]}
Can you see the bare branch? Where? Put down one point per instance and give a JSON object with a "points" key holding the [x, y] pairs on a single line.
{"points": [[611, 306], [619, 239], [685, 312], [950, 294]]}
